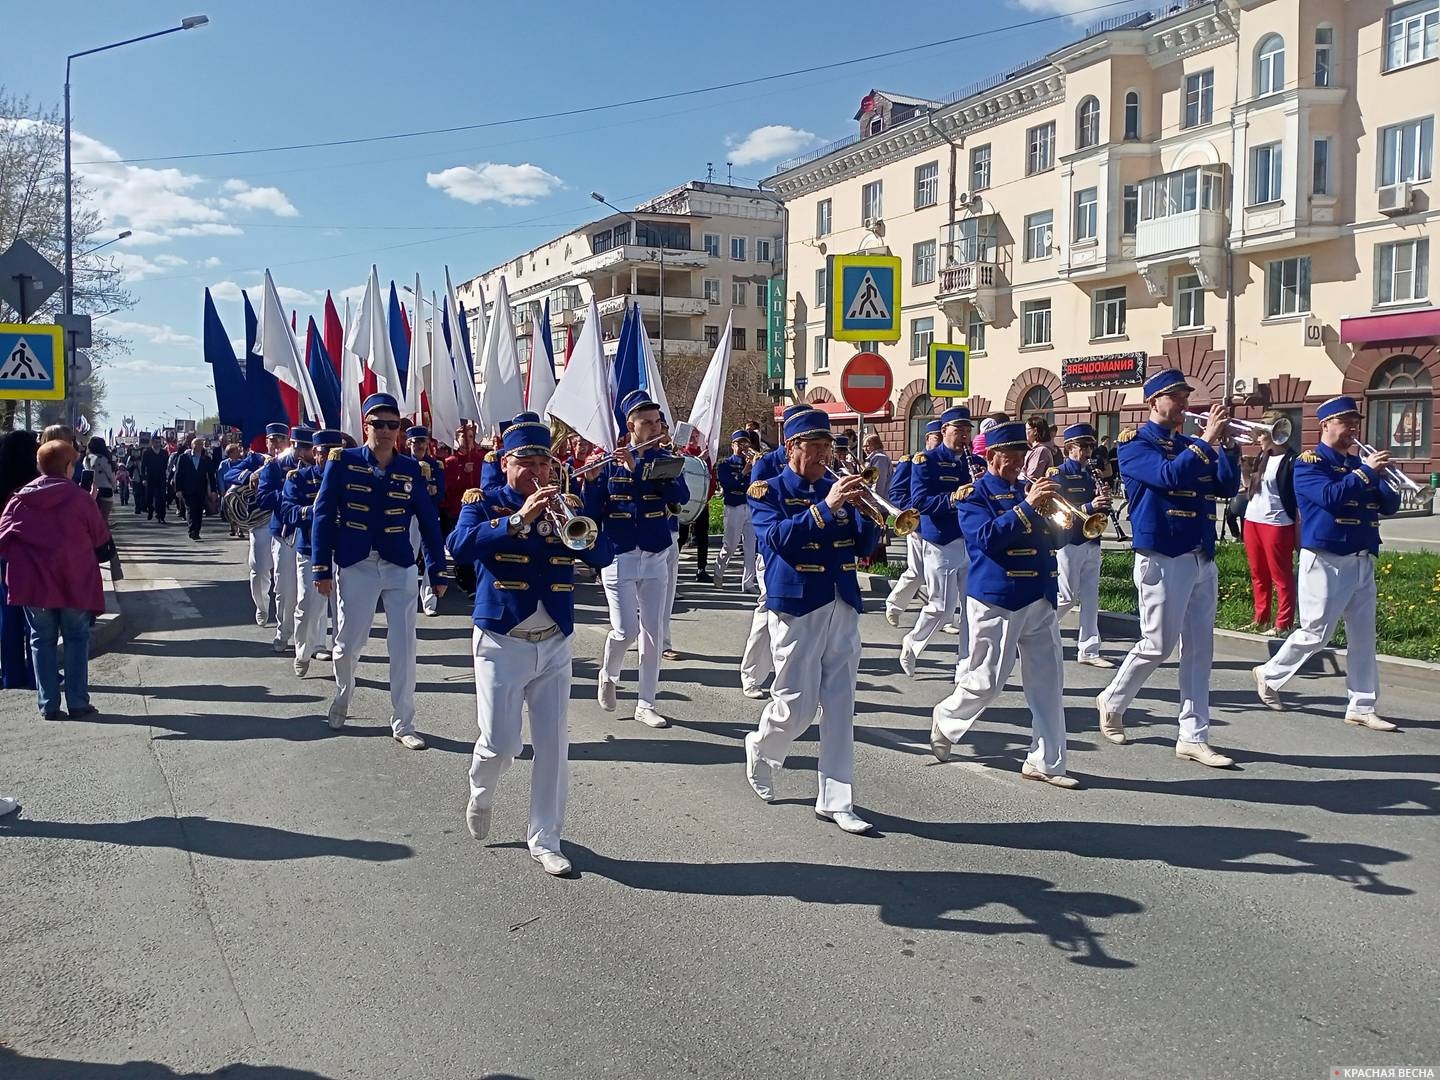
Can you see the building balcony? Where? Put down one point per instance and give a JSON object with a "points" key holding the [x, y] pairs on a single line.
{"points": [[641, 255], [977, 284], [675, 347], [650, 305], [1193, 237]]}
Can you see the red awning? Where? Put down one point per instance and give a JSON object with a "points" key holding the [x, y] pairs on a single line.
{"points": [[1398, 326], [838, 410]]}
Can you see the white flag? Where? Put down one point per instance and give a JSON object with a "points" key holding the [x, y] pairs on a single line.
{"points": [[351, 375], [584, 397], [708, 414], [277, 348], [444, 409], [465, 396], [369, 339], [500, 367], [419, 372], [541, 386]]}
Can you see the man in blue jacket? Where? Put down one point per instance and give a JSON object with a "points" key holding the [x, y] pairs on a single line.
{"points": [[269, 489], [1079, 556], [734, 477], [813, 536], [524, 625], [908, 583], [297, 508]]}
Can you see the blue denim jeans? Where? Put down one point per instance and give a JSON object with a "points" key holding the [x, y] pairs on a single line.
{"points": [[47, 627]]}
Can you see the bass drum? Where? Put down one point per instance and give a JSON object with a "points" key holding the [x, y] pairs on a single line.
{"points": [[697, 479]]}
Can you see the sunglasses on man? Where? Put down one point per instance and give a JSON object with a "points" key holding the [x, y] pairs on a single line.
{"points": [[385, 425]]}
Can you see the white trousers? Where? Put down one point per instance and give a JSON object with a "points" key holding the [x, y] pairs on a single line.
{"points": [[636, 588], [817, 657], [946, 571], [311, 611], [739, 531], [429, 602], [756, 662], [261, 560], [1177, 596], [282, 554], [509, 674], [1080, 584], [908, 584], [671, 584], [358, 588], [1334, 587], [997, 636]]}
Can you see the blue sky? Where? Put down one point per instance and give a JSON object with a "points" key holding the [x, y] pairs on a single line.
{"points": [[265, 73]]}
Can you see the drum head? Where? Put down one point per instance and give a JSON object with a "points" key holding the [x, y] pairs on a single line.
{"points": [[697, 479]]}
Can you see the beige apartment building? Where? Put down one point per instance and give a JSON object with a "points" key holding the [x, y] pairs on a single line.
{"points": [[1242, 189], [709, 250]]}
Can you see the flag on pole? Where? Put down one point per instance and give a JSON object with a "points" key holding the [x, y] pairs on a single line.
{"points": [[400, 347], [653, 386], [280, 353], [418, 377], [500, 366], [230, 390], [708, 413], [444, 405], [585, 395], [540, 380], [351, 375], [266, 406], [369, 339], [628, 371], [464, 359], [322, 374], [334, 334]]}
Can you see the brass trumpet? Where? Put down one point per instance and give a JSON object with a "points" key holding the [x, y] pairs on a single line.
{"points": [[1245, 431], [576, 531], [1059, 512], [1397, 477], [874, 505]]}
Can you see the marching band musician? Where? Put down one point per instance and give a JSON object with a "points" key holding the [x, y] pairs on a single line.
{"points": [[908, 583], [524, 623], [268, 491], [259, 557], [297, 508], [934, 478], [492, 476], [1172, 482], [1079, 558], [362, 553], [734, 474], [1010, 607], [419, 441], [637, 513], [1341, 498], [813, 533], [462, 472]]}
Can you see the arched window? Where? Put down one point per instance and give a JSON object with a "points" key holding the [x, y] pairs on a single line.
{"points": [[1132, 115], [1087, 126], [1398, 407], [922, 411], [1037, 400], [1270, 65]]}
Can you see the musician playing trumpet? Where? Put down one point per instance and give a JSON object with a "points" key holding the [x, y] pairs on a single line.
{"points": [[734, 477], [1079, 558]]}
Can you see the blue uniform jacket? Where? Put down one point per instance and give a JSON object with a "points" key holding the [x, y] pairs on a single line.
{"points": [[1172, 482], [237, 472], [811, 554], [1077, 484], [297, 504], [637, 512], [436, 485], [734, 478], [363, 507], [513, 574], [1341, 502], [492, 476], [899, 492], [935, 476], [771, 463], [1012, 548], [269, 490]]}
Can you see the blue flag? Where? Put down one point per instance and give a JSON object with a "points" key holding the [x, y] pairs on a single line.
{"points": [[630, 373], [400, 348], [263, 390], [230, 394], [322, 374]]}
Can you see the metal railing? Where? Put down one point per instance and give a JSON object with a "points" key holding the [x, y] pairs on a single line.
{"points": [[969, 276]]}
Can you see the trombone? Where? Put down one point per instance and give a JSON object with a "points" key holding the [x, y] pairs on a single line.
{"points": [[1245, 431], [874, 505], [1397, 477]]}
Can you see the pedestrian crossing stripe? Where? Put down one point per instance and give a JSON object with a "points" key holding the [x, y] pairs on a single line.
{"points": [[863, 297], [949, 370], [868, 302], [951, 375]]}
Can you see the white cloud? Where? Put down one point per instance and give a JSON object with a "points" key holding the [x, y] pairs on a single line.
{"points": [[259, 198], [1078, 10], [511, 185], [210, 263], [156, 335], [769, 143], [138, 267], [230, 290]]}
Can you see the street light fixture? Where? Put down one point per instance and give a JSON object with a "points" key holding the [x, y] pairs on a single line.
{"points": [[661, 246], [114, 240]]}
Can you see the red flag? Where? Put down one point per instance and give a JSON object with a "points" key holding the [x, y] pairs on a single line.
{"points": [[334, 333]]}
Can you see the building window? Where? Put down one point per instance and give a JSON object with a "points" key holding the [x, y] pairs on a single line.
{"points": [[923, 262], [712, 245], [871, 201], [922, 411], [712, 290], [972, 240], [822, 218], [980, 168], [1107, 425], [762, 249], [762, 295], [1189, 302], [1270, 65], [1267, 163], [737, 338], [1108, 317], [1037, 400], [1398, 406], [1087, 208], [1199, 98], [821, 292], [821, 353], [1180, 193], [1132, 115], [1402, 271], [737, 249], [927, 185], [922, 334], [737, 293], [712, 335], [1130, 209], [1287, 286], [1405, 151], [1040, 148], [1324, 55], [1410, 33], [876, 126], [1035, 322], [1320, 168], [762, 340], [975, 332], [1087, 123], [1038, 233]]}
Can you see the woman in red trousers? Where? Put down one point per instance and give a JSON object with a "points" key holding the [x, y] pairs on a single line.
{"points": [[1270, 530]]}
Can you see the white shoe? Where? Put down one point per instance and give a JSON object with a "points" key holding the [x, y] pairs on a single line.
{"points": [[1030, 772], [649, 717], [302, 668], [1096, 661], [907, 659], [757, 771], [850, 822], [892, 617], [1269, 696], [410, 741], [606, 695], [259, 617], [949, 628], [753, 692], [336, 716], [939, 744], [552, 862], [1202, 754], [1369, 720], [1112, 724], [323, 655], [431, 612], [8, 805], [478, 819]]}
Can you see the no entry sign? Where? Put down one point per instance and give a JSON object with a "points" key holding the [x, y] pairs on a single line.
{"points": [[866, 382]]}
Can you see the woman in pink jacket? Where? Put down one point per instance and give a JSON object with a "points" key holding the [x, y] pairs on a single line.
{"points": [[48, 536]]}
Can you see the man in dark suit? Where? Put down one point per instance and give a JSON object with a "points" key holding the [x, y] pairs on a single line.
{"points": [[194, 481]]}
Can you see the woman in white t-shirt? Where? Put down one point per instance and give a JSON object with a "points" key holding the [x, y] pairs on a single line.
{"points": [[1271, 525]]}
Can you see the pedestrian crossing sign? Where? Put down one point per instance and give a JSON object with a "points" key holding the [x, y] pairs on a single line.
{"points": [[949, 370], [864, 300], [32, 362]]}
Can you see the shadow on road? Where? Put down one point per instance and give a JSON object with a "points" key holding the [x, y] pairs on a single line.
{"points": [[18, 1065]]}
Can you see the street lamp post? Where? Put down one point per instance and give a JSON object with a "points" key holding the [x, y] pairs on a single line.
{"points": [[636, 222], [189, 23], [113, 240]]}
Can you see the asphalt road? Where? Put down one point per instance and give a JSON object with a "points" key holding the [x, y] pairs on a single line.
{"points": [[207, 881]]}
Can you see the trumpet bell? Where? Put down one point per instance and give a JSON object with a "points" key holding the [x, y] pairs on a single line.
{"points": [[579, 533], [1094, 526], [1281, 430], [907, 521]]}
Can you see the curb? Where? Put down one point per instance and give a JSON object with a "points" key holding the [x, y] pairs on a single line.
{"points": [[109, 629]]}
